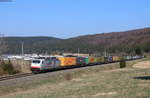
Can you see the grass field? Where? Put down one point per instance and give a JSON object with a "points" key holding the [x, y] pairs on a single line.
{"points": [[94, 82]]}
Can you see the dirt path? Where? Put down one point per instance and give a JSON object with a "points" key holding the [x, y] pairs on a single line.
{"points": [[144, 64], [117, 70]]}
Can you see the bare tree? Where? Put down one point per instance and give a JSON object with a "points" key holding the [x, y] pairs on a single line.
{"points": [[3, 46]]}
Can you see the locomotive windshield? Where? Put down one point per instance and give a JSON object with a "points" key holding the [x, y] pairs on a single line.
{"points": [[36, 61]]}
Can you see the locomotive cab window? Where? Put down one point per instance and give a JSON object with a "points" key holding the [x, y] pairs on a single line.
{"points": [[36, 61]]}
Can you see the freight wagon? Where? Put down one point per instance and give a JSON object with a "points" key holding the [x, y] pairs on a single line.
{"points": [[81, 61], [117, 58], [91, 60], [101, 60], [67, 61]]}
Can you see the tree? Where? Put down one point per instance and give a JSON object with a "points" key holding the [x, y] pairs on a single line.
{"points": [[138, 51], [122, 63]]}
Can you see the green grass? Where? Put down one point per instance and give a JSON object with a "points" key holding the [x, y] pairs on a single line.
{"points": [[93, 82]]}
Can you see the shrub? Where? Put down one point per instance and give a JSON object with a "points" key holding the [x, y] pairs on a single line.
{"points": [[7, 68], [122, 63], [68, 76], [1, 71]]}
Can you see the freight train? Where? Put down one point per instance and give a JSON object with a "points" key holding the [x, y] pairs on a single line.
{"points": [[50, 63]]}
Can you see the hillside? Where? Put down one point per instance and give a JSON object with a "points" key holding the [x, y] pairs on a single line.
{"points": [[31, 44], [115, 42]]}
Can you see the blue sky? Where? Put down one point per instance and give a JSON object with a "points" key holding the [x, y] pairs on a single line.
{"points": [[69, 18]]}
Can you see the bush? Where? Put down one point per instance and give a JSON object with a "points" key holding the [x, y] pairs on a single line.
{"points": [[68, 76], [122, 63], [1, 71], [7, 68]]}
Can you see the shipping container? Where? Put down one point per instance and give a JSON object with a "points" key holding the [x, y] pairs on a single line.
{"points": [[115, 58], [50, 63], [96, 60], [120, 58], [87, 60], [67, 61], [91, 60], [110, 59], [127, 57], [81, 61], [100, 60]]}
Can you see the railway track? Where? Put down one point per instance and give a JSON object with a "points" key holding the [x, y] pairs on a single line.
{"points": [[20, 75], [15, 76]]}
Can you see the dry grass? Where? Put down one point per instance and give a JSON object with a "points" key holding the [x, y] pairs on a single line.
{"points": [[102, 94], [92, 83], [14, 66], [21, 65]]}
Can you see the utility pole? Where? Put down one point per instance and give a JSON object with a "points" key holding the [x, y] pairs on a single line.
{"points": [[78, 51], [22, 48], [105, 53], [3, 46]]}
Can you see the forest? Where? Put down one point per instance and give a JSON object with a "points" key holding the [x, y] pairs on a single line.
{"points": [[119, 43]]}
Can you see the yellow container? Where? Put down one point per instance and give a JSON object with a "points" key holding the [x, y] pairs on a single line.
{"points": [[67, 61], [100, 59], [91, 60], [114, 58], [117, 58], [120, 58]]}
